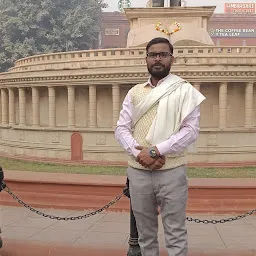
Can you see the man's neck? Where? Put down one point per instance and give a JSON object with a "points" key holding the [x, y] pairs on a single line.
{"points": [[154, 81]]}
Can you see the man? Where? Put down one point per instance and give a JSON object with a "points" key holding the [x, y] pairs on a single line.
{"points": [[158, 121]]}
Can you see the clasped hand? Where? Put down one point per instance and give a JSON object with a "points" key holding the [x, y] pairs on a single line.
{"points": [[147, 161]]}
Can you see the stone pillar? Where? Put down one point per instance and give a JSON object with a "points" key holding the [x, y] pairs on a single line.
{"points": [[197, 86], [223, 93], [71, 106], [92, 106], [4, 101], [248, 105], [205, 23], [22, 106], [52, 107], [12, 120], [35, 106], [116, 103]]}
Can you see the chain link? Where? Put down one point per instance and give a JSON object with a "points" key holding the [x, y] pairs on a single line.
{"points": [[222, 220], [7, 189]]}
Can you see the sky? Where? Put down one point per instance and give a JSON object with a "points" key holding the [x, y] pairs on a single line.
{"points": [[113, 4]]}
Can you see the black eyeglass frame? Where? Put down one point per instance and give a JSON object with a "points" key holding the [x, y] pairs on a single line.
{"points": [[162, 55]]}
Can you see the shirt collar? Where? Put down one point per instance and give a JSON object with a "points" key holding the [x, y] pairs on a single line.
{"points": [[148, 83]]}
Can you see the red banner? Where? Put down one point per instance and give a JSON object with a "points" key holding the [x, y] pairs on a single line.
{"points": [[240, 8]]}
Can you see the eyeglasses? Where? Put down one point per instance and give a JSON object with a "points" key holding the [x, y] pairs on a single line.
{"points": [[162, 55]]}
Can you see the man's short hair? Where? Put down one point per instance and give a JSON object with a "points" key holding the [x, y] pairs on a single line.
{"points": [[159, 40]]}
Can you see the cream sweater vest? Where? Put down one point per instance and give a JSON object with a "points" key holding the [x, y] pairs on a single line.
{"points": [[142, 127]]}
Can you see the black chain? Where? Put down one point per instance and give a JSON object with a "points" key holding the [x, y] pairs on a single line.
{"points": [[222, 220], [7, 189]]}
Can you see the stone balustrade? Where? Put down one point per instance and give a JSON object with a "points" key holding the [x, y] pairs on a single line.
{"points": [[128, 57]]}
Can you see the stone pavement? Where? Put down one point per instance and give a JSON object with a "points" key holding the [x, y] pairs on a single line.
{"points": [[111, 230]]}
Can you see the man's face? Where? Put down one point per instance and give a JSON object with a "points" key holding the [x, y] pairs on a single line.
{"points": [[159, 60]]}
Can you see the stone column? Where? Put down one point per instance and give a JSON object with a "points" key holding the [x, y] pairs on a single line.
{"points": [[71, 106], [223, 93], [248, 105], [197, 86], [12, 120], [4, 101], [22, 106], [116, 103], [52, 107], [35, 106], [92, 106], [205, 23]]}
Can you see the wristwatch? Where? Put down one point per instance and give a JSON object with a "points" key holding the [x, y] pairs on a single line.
{"points": [[153, 153]]}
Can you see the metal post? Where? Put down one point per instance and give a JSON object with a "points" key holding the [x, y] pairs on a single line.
{"points": [[133, 229], [134, 248]]}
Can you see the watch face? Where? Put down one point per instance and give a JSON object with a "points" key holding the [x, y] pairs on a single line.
{"points": [[153, 152]]}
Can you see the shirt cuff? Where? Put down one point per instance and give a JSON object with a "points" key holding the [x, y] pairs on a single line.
{"points": [[163, 148], [136, 152]]}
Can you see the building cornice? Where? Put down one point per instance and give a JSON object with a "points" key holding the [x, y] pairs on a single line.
{"points": [[128, 78]]}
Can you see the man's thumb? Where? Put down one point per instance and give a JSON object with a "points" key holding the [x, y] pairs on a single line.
{"points": [[139, 147]]}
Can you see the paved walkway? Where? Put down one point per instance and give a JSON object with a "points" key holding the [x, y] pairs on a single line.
{"points": [[110, 229]]}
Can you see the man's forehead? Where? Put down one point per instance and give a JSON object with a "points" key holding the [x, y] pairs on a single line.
{"points": [[159, 46]]}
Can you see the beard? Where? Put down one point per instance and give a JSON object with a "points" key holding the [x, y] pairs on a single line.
{"points": [[159, 71]]}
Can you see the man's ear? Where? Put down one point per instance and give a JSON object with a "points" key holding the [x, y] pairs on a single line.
{"points": [[172, 59]]}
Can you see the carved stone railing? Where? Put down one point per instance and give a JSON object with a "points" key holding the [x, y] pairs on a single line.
{"points": [[130, 57], [78, 59]]}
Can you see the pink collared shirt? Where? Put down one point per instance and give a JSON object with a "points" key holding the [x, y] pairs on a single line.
{"points": [[177, 143]]}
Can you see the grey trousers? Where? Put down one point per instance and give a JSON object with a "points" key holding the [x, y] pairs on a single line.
{"points": [[167, 189]]}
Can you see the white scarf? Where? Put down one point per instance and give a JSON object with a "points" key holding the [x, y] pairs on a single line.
{"points": [[177, 99]]}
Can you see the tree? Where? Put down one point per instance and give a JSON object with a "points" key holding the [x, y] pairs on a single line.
{"points": [[30, 27]]}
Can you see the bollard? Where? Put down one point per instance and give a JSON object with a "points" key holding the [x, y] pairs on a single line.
{"points": [[134, 248], [1, 175], [1, 188]]}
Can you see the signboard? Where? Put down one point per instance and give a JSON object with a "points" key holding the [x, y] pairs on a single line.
{"points": [[239, 8], [233, 32], [123, 4], [112, 31]]}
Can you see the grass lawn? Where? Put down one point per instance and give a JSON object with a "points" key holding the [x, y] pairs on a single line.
{"points": [[18, 165]]}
